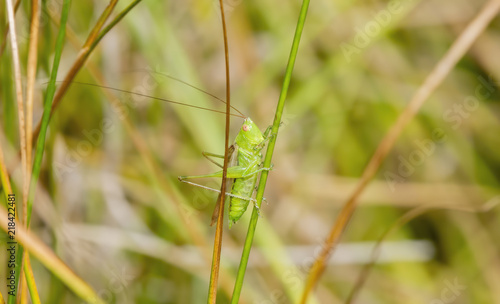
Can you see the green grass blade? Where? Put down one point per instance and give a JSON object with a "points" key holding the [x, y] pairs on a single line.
{"points": [[51, 88], [8, 120], [269, 154], [45, 122], [30, 280]]}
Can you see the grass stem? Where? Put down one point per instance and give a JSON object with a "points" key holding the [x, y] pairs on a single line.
{"points": [[269, 153], [214, 271]]}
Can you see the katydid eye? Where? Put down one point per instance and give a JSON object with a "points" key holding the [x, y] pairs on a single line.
{"points": [[245, 128]]}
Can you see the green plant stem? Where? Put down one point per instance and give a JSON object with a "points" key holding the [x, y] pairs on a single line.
{"points": [[41, 140], [269, 153], [30, 280], [47, 104]]}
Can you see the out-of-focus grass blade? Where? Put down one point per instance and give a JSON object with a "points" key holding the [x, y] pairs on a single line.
{"points": [[433, 80], [47, 105], [403, 220], [30, 280], [80, 60], [45, 255]]}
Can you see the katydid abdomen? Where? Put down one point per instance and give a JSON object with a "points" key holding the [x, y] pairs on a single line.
{"points": [[244, 186]]}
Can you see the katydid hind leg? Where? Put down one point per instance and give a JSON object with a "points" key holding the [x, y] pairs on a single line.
{"points": [[256, 171], [232, 172], [215, 214], [218, 191]]}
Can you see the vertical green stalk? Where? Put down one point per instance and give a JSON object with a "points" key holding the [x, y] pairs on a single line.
{"points": [[46, 115], [9, 122], [30, 280], [47, 104], [45, 121], [269, 154]]}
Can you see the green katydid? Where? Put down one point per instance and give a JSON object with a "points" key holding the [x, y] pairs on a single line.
{"points": [[245, 157], [245, 160]]}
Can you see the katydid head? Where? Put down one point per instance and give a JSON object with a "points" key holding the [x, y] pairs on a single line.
{"points": [[249, 135]]}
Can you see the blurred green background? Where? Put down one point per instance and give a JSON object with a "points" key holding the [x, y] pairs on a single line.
{"points": [[109, 202]]}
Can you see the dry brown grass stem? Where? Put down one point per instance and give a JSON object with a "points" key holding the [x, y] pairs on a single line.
{"points": [[217, 248], [19, 93], [7, 28], [30, 91]]}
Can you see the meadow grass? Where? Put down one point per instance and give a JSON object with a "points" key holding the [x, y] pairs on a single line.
{"points": [[110, 219]]}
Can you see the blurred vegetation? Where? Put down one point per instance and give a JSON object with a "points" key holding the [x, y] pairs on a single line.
{"points": [[109, 203]]}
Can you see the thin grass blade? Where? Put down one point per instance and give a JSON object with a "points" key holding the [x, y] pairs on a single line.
{"points": [[269, 154], [214, 272]]}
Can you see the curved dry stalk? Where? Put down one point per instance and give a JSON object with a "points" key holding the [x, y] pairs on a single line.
{"points": [[6, 33], [19, 93], [400, 222], [30, 91], [435, 78], [22, 127], [214, 271], [29, 278]]}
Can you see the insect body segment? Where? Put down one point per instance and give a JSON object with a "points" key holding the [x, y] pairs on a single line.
{"points": [[245, 162], [249, 157]]}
